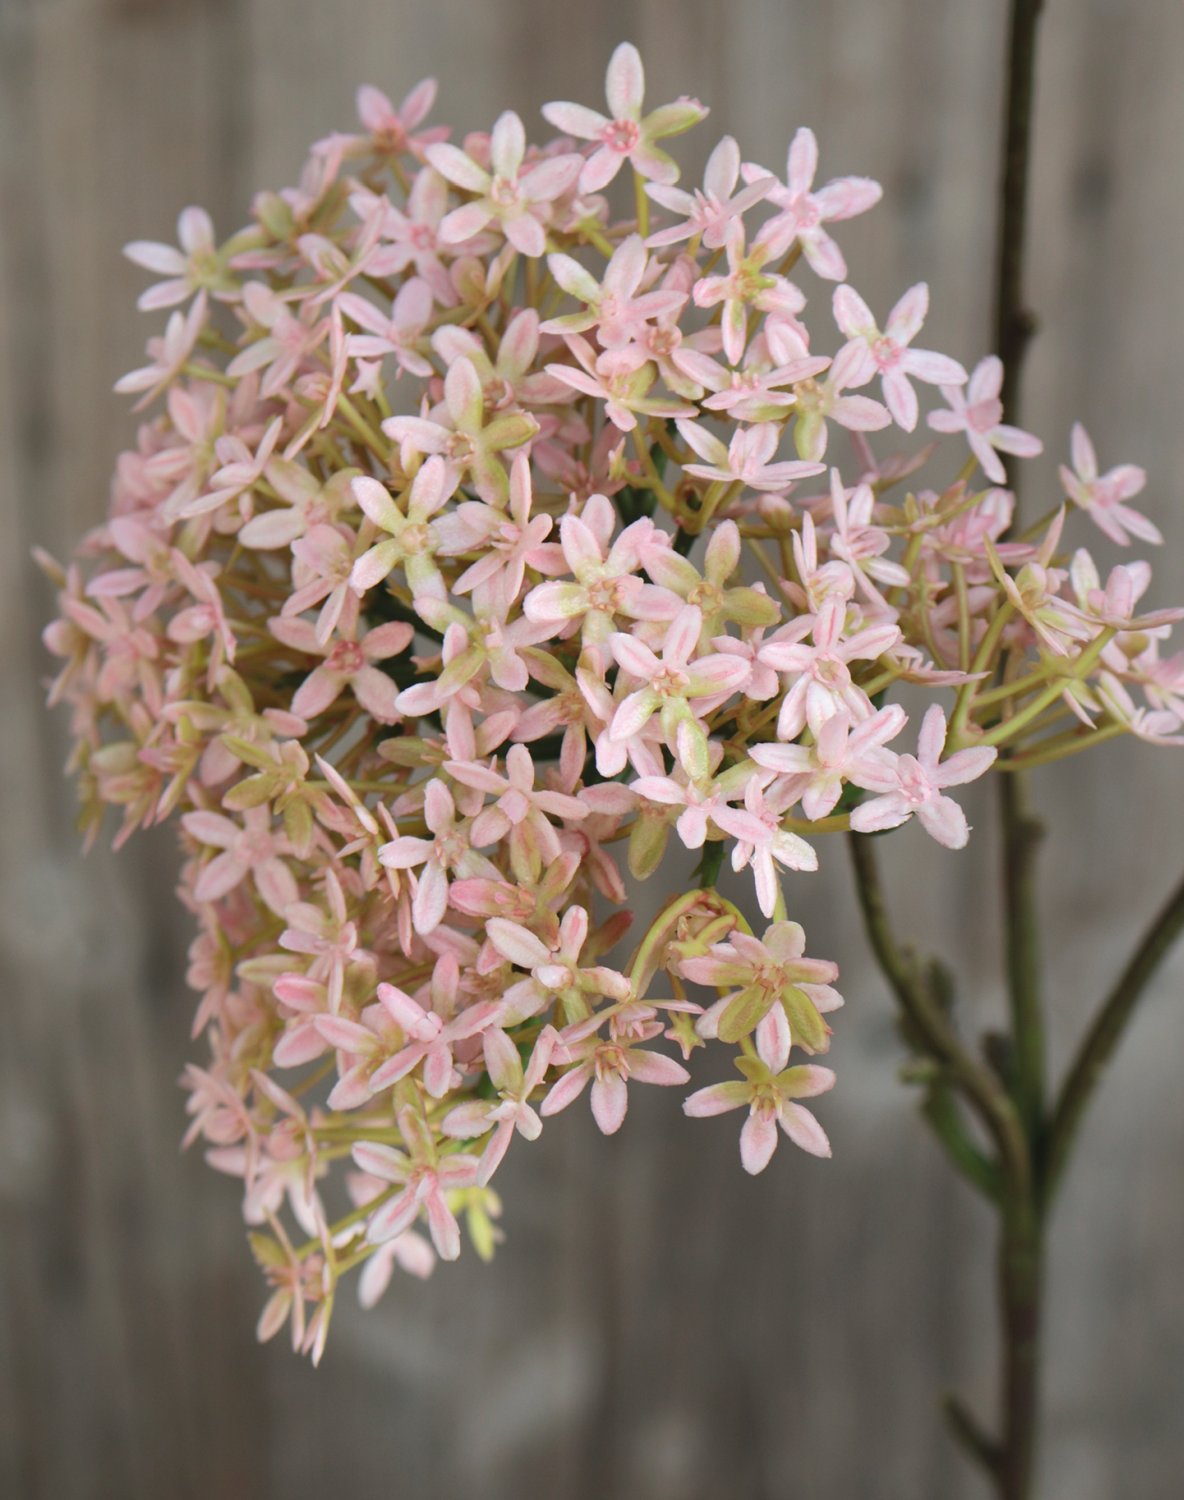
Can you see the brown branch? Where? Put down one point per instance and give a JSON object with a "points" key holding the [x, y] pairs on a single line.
{"points": [[1014, 321], [1022, 1229]]}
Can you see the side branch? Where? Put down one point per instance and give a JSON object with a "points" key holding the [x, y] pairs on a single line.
{"points": [[1105, 1034], [976, 1081]]}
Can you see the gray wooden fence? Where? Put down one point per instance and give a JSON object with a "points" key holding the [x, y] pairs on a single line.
{"points": [[658, 1324]]}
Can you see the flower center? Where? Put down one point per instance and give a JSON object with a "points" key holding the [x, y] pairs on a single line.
{"points": [[346, 657], [831, 672], [670, 682], [886, 353], [504, 192], [984, 415], [414, 537], [663, 340], [707, 595], [914, 784], [621, 135]]}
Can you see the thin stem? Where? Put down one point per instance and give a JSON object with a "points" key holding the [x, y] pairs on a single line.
{"points": [[1103, 1037], [1014, 321], [1008, 728], [643, 204], [1021, 1242], [929, 1026], [1061, 745], [982, 660], [1022, 834], [948, 1123]]}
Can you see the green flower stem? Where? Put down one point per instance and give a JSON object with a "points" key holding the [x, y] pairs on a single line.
{"points": [[929, 1026], [373, 439], [982, 661], [1059, 746], [1008, 728]]}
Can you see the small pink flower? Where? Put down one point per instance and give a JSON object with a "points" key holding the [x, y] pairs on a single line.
{"points": [[978, 413], [610, 1066], [747, 284], [604, 581], [251, 847], [431, 1035], [909, 784], [621, 378], [628, 136], [448, 849], [817, 773], [888, 352], [195, 267], [804, 211], [513, 1112], [822, 401], [507, 194], [670, 683], [398, 332], [411, 541], [762, 843], [348, 662], [616, 308], [426, 1179], [396, 130], [771, 1102], [746, 458], [709, 212], [168, 354], [519, 805], [1104, 496], [860, 543], [288, 343], [822, 675], [328, 938]]}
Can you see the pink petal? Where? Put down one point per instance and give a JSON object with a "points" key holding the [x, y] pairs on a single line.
{"points": [[803, 161], [758, 1141], [316, 693], [445, 1231], [804, 1130], [610, 1101], [716, 1099], [945, 821], [575, 119], [655, 1067], [624, 84], [517, 944], [453, 164], [464, 222]]}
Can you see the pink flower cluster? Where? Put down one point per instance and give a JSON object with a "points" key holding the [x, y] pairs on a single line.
{"points": [[478, 542]]}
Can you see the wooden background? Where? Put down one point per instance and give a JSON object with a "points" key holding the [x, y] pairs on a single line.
{"points": [[658, 1325]]}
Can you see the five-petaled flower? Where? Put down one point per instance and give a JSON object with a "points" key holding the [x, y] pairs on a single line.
{"points": [[628, 136], [908, 784], [1104, 496], [978, 412]]}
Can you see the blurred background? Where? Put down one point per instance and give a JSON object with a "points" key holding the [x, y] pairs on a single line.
{"points": [[658, 1325]]}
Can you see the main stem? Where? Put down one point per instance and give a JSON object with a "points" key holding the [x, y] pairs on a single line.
{"points": [[1021, 1246]]}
